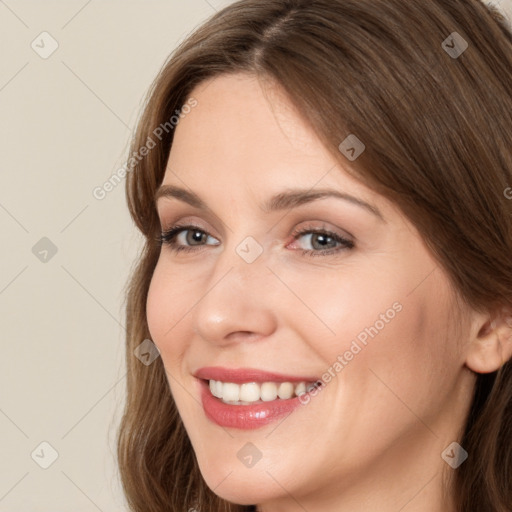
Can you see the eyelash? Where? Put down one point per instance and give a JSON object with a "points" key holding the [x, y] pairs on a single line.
{"points": [[168, 238]]}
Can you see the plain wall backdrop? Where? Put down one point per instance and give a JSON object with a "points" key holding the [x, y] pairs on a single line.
{"points": [[73, 75]]}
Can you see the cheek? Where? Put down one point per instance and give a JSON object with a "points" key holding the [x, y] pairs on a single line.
{"points": [[345, 311], [408, 357], [156, 306], [166, 306], [379, 334], [391, 354]]}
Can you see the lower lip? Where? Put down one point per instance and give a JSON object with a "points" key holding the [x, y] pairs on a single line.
{"points": [[244, 416]]}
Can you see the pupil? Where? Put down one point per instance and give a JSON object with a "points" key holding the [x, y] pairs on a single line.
{"points": [[195, 237], [321, 239]]}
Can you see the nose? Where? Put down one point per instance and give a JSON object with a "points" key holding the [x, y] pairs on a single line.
{"points": [[237, 302]]}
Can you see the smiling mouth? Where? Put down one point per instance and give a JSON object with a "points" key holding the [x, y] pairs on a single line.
{"points": [[249, 393]]}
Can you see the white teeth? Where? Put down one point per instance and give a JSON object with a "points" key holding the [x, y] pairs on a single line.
{"points": [[300, 388], [250, 392], [230, 392], [268, 391], [286, 390], [218, 388]]}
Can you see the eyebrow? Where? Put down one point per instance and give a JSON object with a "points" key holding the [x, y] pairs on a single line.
{"points": [[282, 201]]}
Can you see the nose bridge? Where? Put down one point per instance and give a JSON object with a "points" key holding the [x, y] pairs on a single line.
{"points": [[236, 296], [241, 261]]}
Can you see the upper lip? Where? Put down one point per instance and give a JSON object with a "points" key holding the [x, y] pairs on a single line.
{"points": [[241, 375]]}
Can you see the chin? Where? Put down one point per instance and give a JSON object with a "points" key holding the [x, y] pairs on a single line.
{"points": [[242, 486]]}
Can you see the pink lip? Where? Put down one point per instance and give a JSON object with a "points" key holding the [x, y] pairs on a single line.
{"points": [[241, 375], [246, 416]]}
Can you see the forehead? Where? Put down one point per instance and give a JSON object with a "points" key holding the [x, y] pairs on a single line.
{"points": [[242, 128], [245, 138], [250, 118]]}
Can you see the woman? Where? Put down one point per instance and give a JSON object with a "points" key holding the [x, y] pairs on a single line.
{"points": [[326, 271]]}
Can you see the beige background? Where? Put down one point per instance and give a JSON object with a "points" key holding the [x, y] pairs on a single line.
{"points": [[64, 128]]}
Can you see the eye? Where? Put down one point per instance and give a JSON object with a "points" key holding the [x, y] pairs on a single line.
{"points": [[322, 242], [185, 238], [189, 238]]}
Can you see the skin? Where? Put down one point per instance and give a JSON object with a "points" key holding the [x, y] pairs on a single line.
{"points": [[372, 438]]}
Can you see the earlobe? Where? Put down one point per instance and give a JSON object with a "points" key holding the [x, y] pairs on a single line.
{"points": [[491, 347]]}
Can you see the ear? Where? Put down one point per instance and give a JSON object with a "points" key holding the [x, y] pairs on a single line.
{"points": [[490, 346]]}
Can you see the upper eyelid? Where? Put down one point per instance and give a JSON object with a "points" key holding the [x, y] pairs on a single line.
{"points": [[172, 223], [168, 224], [208, 215]]}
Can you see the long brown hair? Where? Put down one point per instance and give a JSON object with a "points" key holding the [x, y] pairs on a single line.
{"points": [[437, 127]]}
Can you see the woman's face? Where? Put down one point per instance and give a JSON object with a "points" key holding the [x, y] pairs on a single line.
{"points": [[308, 286]]}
